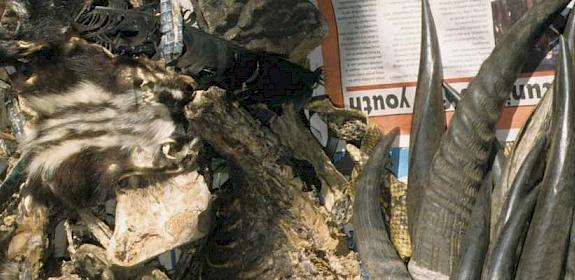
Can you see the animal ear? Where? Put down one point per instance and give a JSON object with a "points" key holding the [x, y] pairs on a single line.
{"points": [[14, 50]]}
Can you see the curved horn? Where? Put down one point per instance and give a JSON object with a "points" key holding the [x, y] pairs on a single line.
{"points": [[373, 243], [476, 239], [517, 211], [544, 250], [535, 128], [461, 161], [428, 122]]}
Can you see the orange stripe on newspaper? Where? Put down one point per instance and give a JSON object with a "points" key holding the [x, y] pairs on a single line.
{"points": [[452, 80], [512, 117], [330, 53]]}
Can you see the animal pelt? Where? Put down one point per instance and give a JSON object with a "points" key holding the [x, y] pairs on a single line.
{"points": [[97, 117], [97, 122], [46, 21]]}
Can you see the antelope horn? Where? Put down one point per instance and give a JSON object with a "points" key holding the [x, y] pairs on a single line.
{"points": [[532, 132], [544, 250], [517, 211], [476, 239], [373, 243], [428, 115], [464, 154]]}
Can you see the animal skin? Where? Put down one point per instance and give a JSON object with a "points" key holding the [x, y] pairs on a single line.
{"points": [[96, 119]]}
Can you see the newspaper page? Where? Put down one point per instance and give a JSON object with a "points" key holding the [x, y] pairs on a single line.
{"points": [[371, 58]]}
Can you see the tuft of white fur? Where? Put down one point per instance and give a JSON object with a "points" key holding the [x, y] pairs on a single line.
{"points": [[82, 94]]}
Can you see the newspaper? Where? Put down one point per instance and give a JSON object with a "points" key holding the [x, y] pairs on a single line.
{"points": [[371, 58]]}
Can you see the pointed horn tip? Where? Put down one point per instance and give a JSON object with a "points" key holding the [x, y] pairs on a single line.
{"points": [[393, 132]]}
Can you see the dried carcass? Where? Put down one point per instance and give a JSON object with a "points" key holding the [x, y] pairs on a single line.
{"points": [[99, 121]]}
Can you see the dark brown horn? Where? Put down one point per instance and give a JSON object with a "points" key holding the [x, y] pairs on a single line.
{"points": [[570, 267], [476, 239], [517, 211], [462, 160], [373, 243], [428, 122], [544, 251]]}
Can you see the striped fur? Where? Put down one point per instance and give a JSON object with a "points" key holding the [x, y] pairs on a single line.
{"points": [[97, 118]]}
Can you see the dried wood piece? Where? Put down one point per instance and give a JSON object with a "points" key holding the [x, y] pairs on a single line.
{"points": [[298, 139], [292, 27], [97, 227], [308, 247], [28, 244], [91, 261]]}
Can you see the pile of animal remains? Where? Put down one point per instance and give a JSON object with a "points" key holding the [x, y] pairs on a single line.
{"points": [[130, 109]]}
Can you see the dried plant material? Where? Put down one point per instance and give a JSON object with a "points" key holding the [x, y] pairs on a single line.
{"points": [[159, 217], [97, 227]]}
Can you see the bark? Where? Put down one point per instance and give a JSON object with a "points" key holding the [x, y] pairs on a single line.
{"points": [[307, 246]]}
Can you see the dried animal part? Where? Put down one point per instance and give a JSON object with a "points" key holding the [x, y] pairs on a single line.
{"points": [[292, 28], [48, 21], [26, 250], [127, 129], [375, 249], [535, 130], [398, 225], [119, 29], [11, 183], [98, 118], [99, 229], [371, 138], [476, 240], [13, 14], [236, 246], [90, 261], [516, 214], [306, 246], [428, 123], [461, 161], [157, 217], [393, 199], [253, 77], [347, 124], [544, 254], [532, 132], [296, 136]]}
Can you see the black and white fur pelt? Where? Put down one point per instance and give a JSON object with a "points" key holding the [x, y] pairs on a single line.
{"points": [[96, 119]]}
